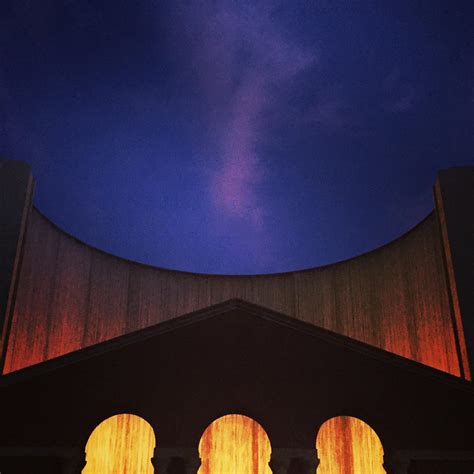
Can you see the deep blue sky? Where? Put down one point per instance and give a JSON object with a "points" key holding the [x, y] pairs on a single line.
{"points": [[236, 137]]}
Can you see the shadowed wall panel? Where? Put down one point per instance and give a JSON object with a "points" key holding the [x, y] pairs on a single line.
{"points": [[454, 196], [71, 295], [16, 190]]}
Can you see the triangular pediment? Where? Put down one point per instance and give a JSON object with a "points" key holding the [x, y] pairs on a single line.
{"points": [[234, 357]]}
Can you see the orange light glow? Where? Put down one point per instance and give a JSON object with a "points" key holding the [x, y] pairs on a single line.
{"points": [[121, 444], [71, 296], [234, 444], [347, 445]]}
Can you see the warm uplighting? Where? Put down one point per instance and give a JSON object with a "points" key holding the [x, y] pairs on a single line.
{"points": [[395, 298], [121, 444], [234, 444], [347, 445]]}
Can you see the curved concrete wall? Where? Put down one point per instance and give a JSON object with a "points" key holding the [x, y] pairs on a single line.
{"points": [[71, 296]]}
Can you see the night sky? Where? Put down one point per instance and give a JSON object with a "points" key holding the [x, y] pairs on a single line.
{"points": [[236, 137]]}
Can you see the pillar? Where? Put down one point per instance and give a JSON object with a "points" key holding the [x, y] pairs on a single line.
{"points": [[454, 198], [16, 190]]}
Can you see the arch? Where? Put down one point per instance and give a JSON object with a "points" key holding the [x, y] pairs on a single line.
{"points": [[122, 443], [234, 444], [348, 445]]}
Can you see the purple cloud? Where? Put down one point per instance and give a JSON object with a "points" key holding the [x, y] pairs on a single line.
{"points": [[241, 58]]}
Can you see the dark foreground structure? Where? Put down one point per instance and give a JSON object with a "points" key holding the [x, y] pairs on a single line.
{"points": [[386, 337]]}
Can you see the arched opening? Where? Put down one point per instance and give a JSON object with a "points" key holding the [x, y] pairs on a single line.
{"points": [[347, 445], [234, 444], [120, 444]]}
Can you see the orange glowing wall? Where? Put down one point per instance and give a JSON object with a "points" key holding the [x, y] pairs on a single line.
{"points": [[71, 296], [121, 444], [234, 444], [347, 445]]}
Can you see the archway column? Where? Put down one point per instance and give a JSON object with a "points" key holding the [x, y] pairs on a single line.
{"points": [[308, 460], [164, 456], [281, 459], [76, 463], [396, 463], [191, 461], [161, 459]]}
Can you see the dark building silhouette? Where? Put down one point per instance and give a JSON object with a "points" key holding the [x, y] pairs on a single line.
{"points": [[386, 338]]}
